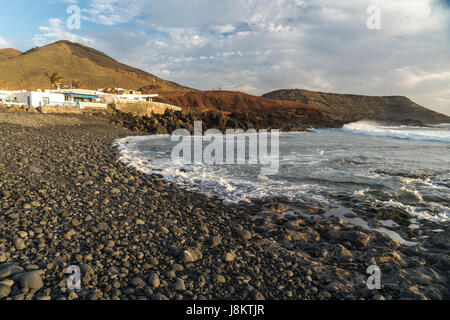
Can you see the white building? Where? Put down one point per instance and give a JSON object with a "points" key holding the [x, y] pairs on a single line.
{"points": [[35, 99], [135, 97], [60, 98]]}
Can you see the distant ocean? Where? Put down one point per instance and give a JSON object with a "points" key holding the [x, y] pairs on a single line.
{"points": [[396, 167]]}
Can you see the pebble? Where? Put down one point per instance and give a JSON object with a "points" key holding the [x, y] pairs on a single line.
{"points": [[31, 280], [179, 285], [153, 281], [5, 291]]}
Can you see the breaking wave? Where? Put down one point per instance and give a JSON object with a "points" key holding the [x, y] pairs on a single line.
{"points": [[372, 128]]}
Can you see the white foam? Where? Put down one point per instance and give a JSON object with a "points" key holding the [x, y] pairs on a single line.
{"points": [[372, 128]]}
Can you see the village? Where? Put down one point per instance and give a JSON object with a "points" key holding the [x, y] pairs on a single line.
{"points": [[73, 98]]}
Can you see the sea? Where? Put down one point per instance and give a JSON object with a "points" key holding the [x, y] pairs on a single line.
{"points": [[388, 166]]}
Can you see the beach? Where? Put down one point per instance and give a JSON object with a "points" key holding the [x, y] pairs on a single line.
{"points": [[66, 200]]}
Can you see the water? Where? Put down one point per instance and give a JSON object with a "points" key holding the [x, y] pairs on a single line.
{"points": [[400, 167]]}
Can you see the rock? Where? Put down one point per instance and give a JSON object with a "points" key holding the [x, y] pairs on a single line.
{"points": [[215, 241], [69, 234], [191, 255], [256, 295], [72, 296], [35, 204], [23, 234], [245, 234], [7, 282], [179, 285], [2, 256], [115, 191], [159, 296], [19, 244], [9, 270], [31, 280], [97, 295], [279, 208], [108, 179], [164, 230], [138, 282], [5, 291], [220, 278], [86, 269], [27, 206], [140, 222], [153, 281], [102, 226], [229, 257]]}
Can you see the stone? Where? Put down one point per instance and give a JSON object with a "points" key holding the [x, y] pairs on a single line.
{"points": [[2, 256], [229, 257], [7, 282], [138, 282], [187, 256], [159, 296], [5, 291], [220, 278], [69, 234], [140, 222], [23, 234], [31, 280], [9, 270], [153, 281], [115, 191], [102, 226], [97, 295], [215, 241], [19, 244], [108, 179], [164, 230], [179, 285], [256, 295], [245, 234]]}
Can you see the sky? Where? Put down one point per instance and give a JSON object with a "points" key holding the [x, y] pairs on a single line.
{"points": [[258, 46]]}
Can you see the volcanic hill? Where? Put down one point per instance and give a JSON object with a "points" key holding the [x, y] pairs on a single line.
{"points": [[74, 61]]}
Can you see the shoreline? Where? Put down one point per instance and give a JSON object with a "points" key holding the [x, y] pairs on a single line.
{"points": [[67, 200]]}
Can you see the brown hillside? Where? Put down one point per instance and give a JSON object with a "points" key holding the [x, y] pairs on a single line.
{"points": [[230, 101], [74, 61], [9, 53], [238, 105], [349, 108]]}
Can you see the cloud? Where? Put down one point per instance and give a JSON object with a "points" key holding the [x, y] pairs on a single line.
{"points": [[56, 30], [112, 12], [4, 43]]}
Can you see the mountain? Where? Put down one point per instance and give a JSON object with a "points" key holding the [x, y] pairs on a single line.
{"points": [[9, 53], [349, 108], [74, 61]]}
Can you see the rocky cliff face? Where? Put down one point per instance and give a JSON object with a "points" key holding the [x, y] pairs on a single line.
{"points": [[349, 108]]}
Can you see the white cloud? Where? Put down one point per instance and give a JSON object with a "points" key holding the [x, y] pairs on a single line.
{"points": [[56, 30], [4, 43]]}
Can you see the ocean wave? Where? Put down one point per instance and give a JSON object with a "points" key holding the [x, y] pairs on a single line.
{"points": [[372, 128]]}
